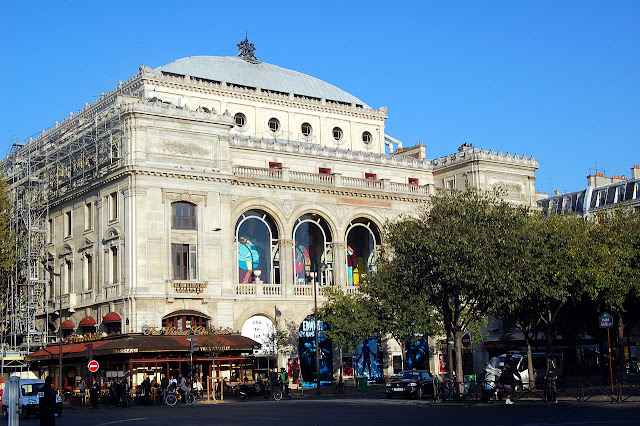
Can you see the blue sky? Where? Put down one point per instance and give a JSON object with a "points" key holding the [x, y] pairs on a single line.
{"points": [[556, 80]]}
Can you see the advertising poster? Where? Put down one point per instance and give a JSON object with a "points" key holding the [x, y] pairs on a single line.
{"points": [[307, 350], [442, 362], [417, 355], [367, 360]]}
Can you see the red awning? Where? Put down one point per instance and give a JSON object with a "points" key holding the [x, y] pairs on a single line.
{"points": [[68, 324], [112, 317], [87, 321]]}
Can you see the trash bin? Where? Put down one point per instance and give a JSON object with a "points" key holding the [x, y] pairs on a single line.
{"points": [[362, 384]]}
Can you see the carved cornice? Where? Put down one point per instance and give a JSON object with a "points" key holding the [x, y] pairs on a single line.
{"points": [[223, 89]]}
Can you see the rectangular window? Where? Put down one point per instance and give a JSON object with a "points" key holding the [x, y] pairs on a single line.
{"points": [[67, 224], [88, 216], [413, 181], [183, 215], [50, 232], [450, 184], [68, 272], [370, 176], [114, 265], [113, 206], [324, 171], [88, 285], [184, 261], [273, 165]]}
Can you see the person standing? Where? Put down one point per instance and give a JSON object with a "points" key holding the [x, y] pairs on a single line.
{"points": [[164, 384], [284, 379], [82, 392], [551, 376], [47, 403], [123, 392], [146, 391], [509, 371], [93, 394]]}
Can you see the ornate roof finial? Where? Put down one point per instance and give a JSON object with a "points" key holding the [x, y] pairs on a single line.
{"points": [[246, 51]]}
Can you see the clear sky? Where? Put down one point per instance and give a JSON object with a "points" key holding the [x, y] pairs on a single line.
{"points": [[559, 80]]}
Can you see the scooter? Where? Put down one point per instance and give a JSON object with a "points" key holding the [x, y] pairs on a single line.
{"points": [[491, 387], [258, 389]]}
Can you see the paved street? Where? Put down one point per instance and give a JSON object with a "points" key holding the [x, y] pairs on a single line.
{"points": [[312, 411]]}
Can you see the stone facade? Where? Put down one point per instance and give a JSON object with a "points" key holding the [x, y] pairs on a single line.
{"points": [[121, 246]]}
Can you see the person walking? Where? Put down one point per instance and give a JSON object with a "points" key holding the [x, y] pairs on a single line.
{"points": [[47, 403], [146, 391], [509, 371], [164, 384], [551, 376], [122, 392], [113, 393]]}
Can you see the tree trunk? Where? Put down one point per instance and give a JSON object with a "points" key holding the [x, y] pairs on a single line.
{"points": [[459, 374], [404, 355], [532, 380], [549, 337], [622, 361]]}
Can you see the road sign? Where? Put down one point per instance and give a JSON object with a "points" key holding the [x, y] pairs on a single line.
{"points": [[93, 366], [466, 340], [606, 321]]}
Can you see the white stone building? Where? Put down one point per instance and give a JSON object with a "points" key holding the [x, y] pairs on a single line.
{"points": [[165, 197]]}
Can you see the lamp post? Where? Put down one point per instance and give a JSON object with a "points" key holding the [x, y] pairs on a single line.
{"points": [[323, 267]]}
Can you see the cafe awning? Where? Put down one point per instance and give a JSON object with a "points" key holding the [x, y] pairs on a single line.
{"points": [[112, 317], [68, 324], [87, 321]]}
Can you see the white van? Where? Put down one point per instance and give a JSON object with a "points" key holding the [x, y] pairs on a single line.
{"points": [[29, 401], [539, 367]]}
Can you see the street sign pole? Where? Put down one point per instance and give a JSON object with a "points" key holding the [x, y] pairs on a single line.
{"points": [[606, 321]]}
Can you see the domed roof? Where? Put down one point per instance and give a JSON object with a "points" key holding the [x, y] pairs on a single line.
{"points": [[257, 74]]}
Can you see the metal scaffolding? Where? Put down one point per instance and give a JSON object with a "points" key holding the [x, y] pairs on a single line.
{"points": [[42, 173]]}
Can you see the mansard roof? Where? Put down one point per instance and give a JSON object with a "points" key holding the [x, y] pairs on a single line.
{"points": [[266, 76]]}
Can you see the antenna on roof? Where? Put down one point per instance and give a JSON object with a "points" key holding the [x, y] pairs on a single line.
{"points": [[597, 170], [143, 55]]}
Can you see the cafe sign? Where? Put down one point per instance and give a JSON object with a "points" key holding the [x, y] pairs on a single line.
{"points": [[194, 331], [188, 287], [81, 338]]}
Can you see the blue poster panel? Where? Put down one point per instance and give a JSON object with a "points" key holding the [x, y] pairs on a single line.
{"points": [[307, 350], [417, 354], [367, 360]]}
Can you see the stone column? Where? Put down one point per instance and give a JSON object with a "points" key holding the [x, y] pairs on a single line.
{"points": [[286, 267], [339, 261]]}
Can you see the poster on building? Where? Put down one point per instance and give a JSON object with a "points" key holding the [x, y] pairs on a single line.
{"points": [[307, 351], [442, 363], [260, 329], [417, 354], [367, 360]]}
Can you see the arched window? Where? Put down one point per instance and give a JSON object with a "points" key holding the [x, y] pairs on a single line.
{"points": [[183, 215], [312, 249], [257, 248], [362, 239], [185, 320]]}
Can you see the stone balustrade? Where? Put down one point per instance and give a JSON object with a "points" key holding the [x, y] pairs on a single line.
{"points": [[112, 291], [257, 173], [86, 296], [312, 178]]}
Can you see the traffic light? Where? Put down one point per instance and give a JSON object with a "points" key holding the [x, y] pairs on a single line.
{"points": [[193, 346]]}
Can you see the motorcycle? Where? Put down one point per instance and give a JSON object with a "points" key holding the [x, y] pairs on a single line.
{"points": [[257, 390], [491, 386]]}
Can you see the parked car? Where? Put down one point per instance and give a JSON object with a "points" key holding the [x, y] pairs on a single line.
{"points": [[410, 383], [29, 400]]}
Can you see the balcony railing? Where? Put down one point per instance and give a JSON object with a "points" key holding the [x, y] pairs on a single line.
{"points": [[245, 289], [335, 179], [86, 296], [112, 291]]}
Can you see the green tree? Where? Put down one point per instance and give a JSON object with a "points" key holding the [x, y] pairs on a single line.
{"points": [[614, 276], [449, 261]]}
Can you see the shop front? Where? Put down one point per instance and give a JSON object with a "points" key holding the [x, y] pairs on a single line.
{"points": [[152, 353]]}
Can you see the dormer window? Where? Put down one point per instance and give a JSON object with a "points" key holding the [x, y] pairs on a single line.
{"points": [[337, 133], [306, 129], [240, 120], [366, 138]]}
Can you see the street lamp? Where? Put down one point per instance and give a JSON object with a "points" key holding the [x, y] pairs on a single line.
{"points": [[323, 267]]}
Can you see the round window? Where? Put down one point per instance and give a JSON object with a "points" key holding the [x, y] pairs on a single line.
{"points": [[305, 129], [274, 124], [337, 133], [240, 119], [366, 138]]}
